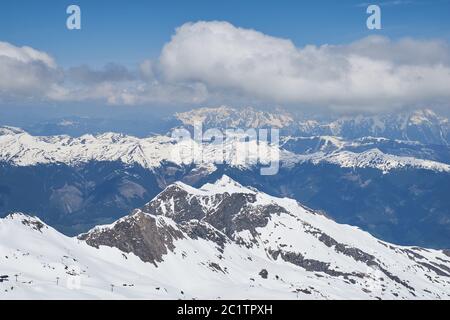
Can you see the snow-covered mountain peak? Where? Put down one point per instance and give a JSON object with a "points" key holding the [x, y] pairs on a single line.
{"points": [[22, 220], [183, 244], [225, 184], [181, 186], [266, 235], [6, 130], [424, 116]]}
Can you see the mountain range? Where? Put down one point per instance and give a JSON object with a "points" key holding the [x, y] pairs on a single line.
{"points": [[395, 189], [422, 125], [221, 240]]}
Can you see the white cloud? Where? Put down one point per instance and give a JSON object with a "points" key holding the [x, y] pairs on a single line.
{"points": [[216, 62], [372, 73], [25, 54], [29, 75], [26, 73]]}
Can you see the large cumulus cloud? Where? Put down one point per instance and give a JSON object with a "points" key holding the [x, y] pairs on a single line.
{"points": [[371, 73]]}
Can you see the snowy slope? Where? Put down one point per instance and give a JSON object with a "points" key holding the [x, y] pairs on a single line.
{"points": [[222, 240], [21, 149], [373, 158]]}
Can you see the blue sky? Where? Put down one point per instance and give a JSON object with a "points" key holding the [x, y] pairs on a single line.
{"points": [[291, 53], [128, 32]]}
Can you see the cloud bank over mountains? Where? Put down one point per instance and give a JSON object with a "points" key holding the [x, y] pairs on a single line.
{"points": [[26, 73], [213, 62]]}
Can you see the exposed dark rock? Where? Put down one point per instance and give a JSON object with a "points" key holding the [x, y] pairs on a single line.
{"points": [[228, 213], [355, 253], [28, 221], [443, 260], [309, 264], [199, 229], [263, 273], [138, 233], [214, 266], [34, 224], [176, 203], [412, 253], [395, 278], [305, 291], [437, 270]]}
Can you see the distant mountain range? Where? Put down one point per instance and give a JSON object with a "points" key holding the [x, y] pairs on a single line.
{"points": [[19, 148], [380, 177], [424, 126], [187, 242], [226, 117]]}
